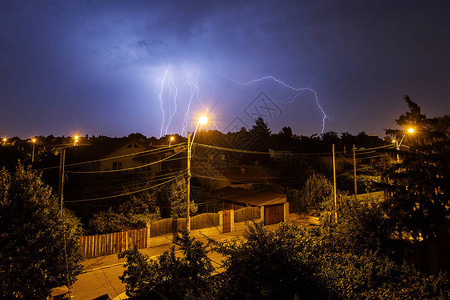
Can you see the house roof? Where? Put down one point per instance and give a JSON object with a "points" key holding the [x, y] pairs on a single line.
{"points": [[105, 147], [251, 198], [247, 173]]}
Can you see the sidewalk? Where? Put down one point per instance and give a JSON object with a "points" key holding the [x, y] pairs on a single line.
{"points": [[111, 260], [101, 274]]}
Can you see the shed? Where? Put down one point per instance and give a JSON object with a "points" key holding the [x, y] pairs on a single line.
{"points": [[274, 206]]}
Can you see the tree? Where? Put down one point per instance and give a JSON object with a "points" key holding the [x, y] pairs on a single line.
{"points": [[419, 186], [266, 265], [261, 129], [169, 277], [177, 195], [38, 245], [135, 212], [261, 133], [317, 193]]}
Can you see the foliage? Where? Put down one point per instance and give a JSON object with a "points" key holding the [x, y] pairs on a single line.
{"points": [[419, 186], [177, 195], [365, 183], [261, 133], [32, 235], [169, 277], [265, 265], [363, 227], [136, 212], [288, 263], [369, 276], [316, 194]]}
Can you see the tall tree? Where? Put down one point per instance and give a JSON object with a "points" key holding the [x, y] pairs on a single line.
{"points": [[38, 246], [261, 133], [419, 186]]}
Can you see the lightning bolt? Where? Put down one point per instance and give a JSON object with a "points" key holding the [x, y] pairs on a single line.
{"points": [[299, 90], [173, 86], [190, 80], [195, 91], [161, 101]]}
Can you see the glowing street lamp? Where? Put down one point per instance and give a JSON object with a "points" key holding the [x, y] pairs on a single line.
{"points": [[75, 140], [410, 131], [4, 141], [201, 121], [171, 139]]}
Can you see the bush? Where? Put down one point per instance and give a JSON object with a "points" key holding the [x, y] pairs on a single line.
{"points": [[169, 277], [316, 194], [136, 212]]}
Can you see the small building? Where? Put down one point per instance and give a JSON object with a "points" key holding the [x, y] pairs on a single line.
{"points": [[274, 206], [127, 156]]}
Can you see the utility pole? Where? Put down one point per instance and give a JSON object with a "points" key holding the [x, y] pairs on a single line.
{"points": [[354, 169], [32, 155], [188, 201], [62, 159], [334, 185]]}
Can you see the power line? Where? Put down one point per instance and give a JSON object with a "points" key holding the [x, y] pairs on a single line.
{"points": [[126, 194], [127, 169], [115, 157]]}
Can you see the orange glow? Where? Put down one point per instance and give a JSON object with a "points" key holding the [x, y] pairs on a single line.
{"points": [[203, 120]]}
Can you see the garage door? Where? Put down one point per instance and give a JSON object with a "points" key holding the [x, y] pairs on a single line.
{"points": [[273, 214]]}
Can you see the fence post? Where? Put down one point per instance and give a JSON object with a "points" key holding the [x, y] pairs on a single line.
{"points": [[232, 220], [262, 214], [286, 211], [220, 221], [148, 235]]}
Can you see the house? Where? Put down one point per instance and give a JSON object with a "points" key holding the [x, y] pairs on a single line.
{"points": [[129, 155], [281, 155]]}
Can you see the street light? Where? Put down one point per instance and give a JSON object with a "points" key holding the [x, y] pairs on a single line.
{"points": [[201, 121], [171, 140], [4, 141], [75, 140], [33, 140], [411, 131]]}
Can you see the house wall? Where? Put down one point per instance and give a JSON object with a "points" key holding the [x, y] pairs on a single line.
{"points": [[128, 162]]}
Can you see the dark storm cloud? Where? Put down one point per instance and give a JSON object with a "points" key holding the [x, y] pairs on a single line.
{"points": [[87, 64]]}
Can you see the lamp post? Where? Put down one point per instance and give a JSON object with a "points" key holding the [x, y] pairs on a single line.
{"points": [[4, 141], [398, 144], [201, 121], [62, 162], [33, 140], [171, 140]]}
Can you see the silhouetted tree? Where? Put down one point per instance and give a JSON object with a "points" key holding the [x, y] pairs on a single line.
{"points": [[419, 186], [34, 238], [169, 276]]}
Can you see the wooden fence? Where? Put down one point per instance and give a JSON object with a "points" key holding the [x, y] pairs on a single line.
{"points": [[105, 244], [167, 226], [111, 243], [247, 213], [205, 220]]}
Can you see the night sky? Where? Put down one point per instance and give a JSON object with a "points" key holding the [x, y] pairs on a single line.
{"points": [[103, 67]]}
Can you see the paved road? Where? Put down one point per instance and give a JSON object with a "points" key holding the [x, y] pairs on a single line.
{"points": [[101, 274]]}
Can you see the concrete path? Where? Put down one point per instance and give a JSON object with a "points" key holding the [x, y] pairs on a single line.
{"points": [[101, 274]]}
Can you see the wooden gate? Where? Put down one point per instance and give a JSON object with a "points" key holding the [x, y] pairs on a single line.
{"points": [[273, 214], [226, 221]]}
